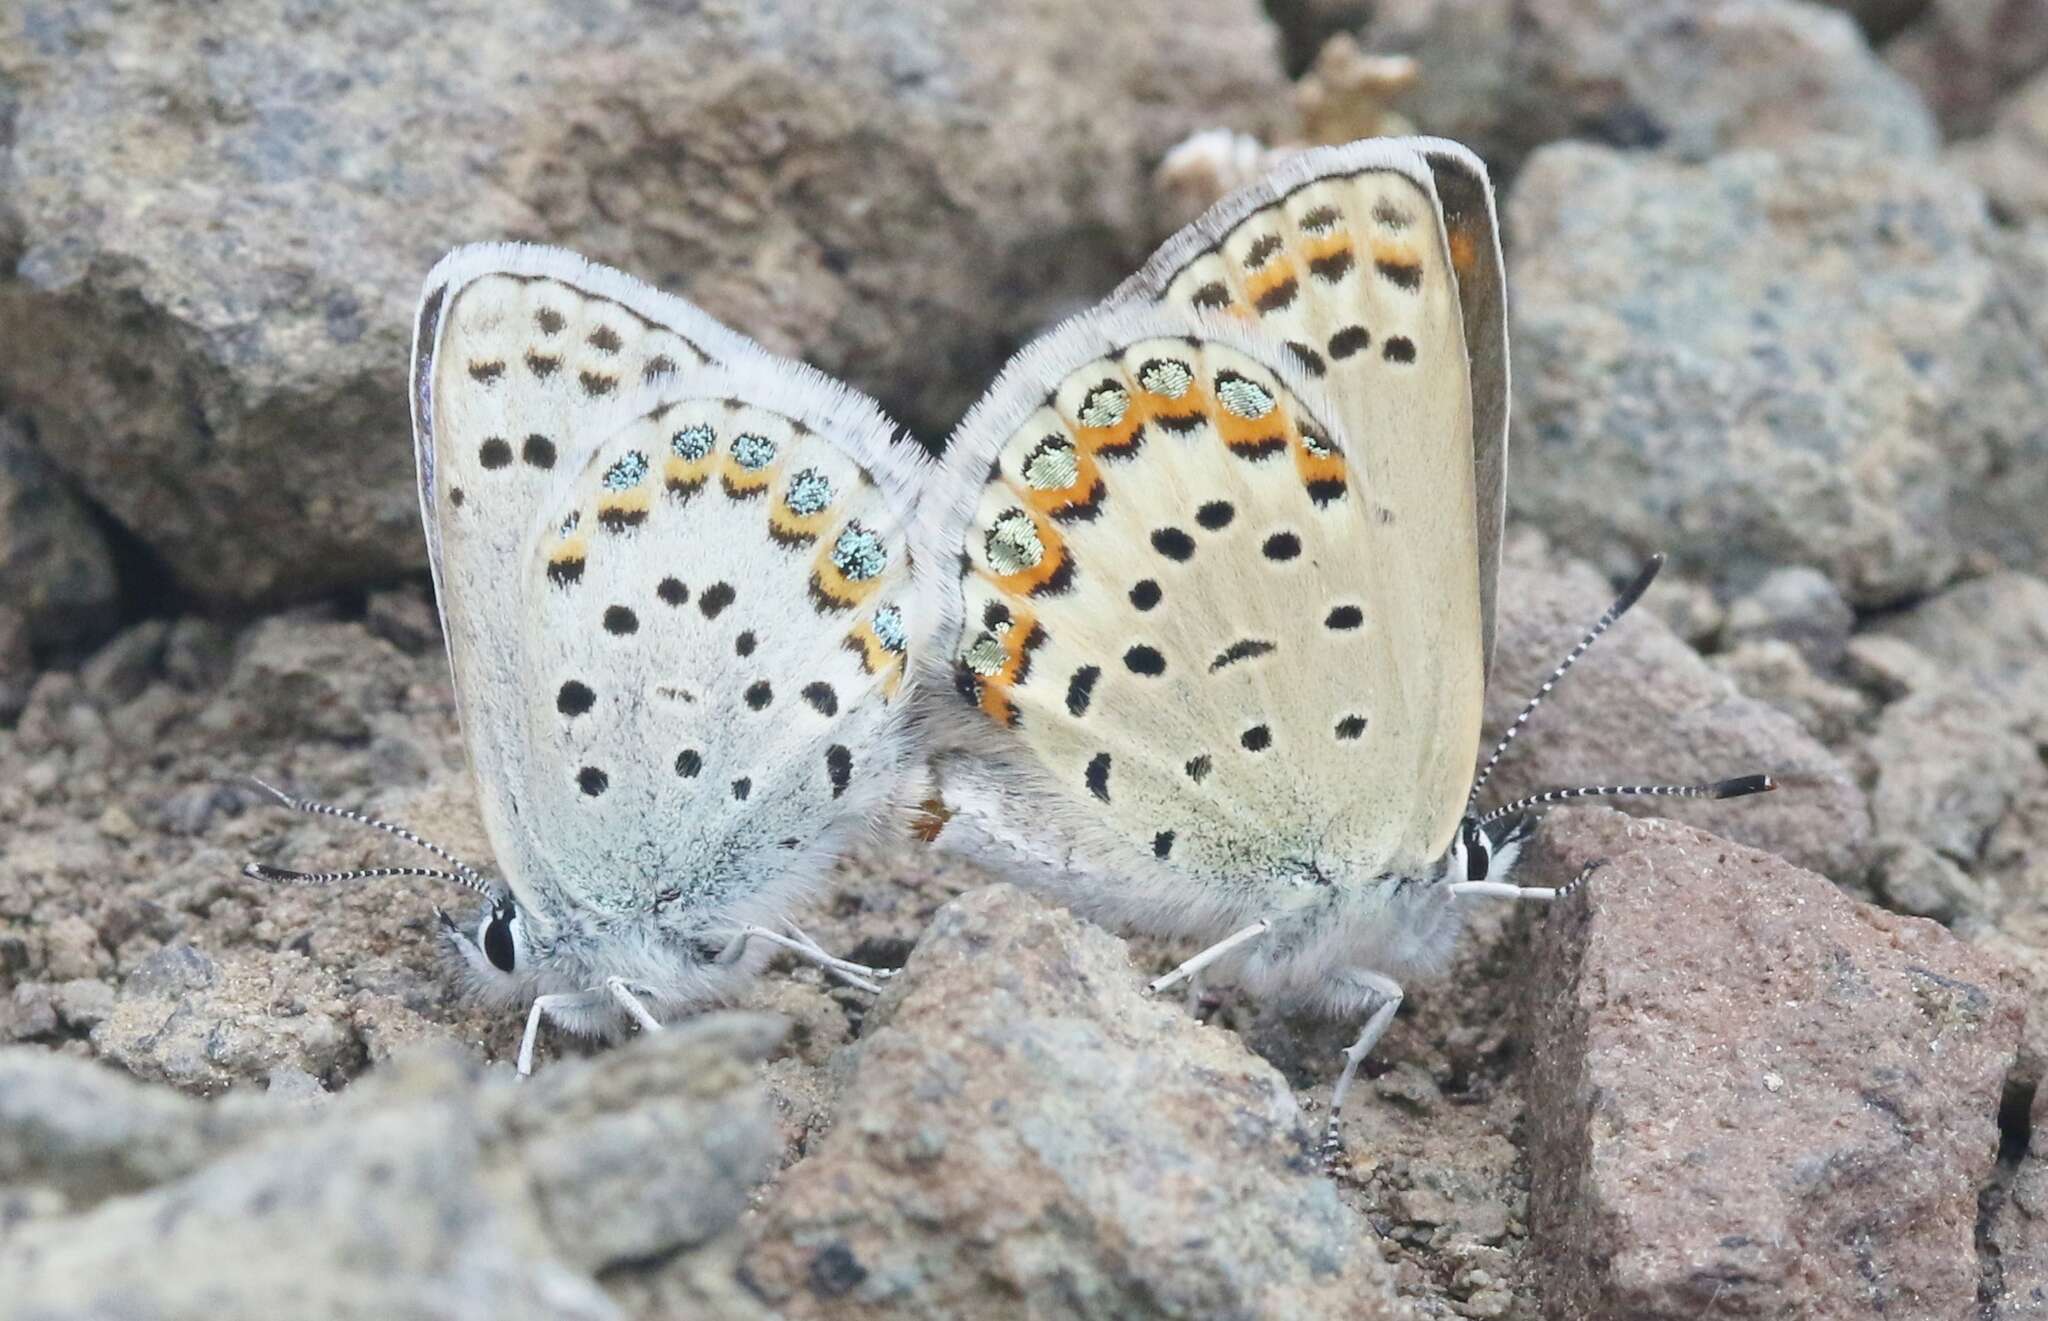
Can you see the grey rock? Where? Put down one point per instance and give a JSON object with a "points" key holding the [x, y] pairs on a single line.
{"points": [[1691, 78], [2016, 1232], [1911, 877], [1797, 605], [1965, 55], [120, 670], [55, 561], [197, 653], [1887, 668], [1880, 19], [1643, 707], [1945, 766], [425, 1191], [2010, 162], [172, 971], [17, 664], [305, 676], [223, 370], [1775, 672], [1025, 1133], [1810, 356], [1984, 631], [620, 1181], [1750, 1094], [90, 1133]]}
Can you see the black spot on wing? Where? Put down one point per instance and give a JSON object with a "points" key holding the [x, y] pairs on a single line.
{"points": [[1081, 689], [1098, 776], [1242, 649], [1349, 340]]}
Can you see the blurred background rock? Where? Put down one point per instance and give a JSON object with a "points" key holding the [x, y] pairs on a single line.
{"points": [[1775, 273]]}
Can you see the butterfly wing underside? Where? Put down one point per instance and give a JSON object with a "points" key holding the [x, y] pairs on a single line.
{"points": [[1220, 542], [671, 691], [1315, 255]]}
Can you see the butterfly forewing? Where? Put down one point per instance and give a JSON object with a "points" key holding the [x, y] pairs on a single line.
{"points": [[1349, 262], [722, 602], [1222, 580]]}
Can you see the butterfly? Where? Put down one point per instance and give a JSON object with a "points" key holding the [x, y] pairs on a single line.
{"points": [[1212, 572], [677, 592]]}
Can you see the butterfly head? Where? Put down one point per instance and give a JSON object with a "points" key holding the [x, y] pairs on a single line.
{"points": [[499, 955], [1486, 850], [1489, 843]]}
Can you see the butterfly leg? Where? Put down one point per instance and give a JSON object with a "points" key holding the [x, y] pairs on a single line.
{"points": [[1208, 956], [548, 1006], [1375, 1026], [844, 965], [1505, 890], [623, 995], [1194, 995], [853, 974]]}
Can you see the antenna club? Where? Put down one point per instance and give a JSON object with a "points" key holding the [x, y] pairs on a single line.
{"points": [[1744, 785], [1634, 591]]}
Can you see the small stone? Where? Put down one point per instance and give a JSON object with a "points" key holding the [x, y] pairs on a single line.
{"points": [[405, 619], [1775, 672], [54, 559], [1690, 79], [83, 1004], [71, 949], [1888, 668], [1799, 606], [1910, 876], [120, 670], [116, 824], [1965, 55]]}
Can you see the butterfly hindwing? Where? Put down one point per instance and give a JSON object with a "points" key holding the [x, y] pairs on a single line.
{"points": [[722, 619], [558, 407]]}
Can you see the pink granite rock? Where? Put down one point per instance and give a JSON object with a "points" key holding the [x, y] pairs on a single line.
{"points": [[1751, 1095]]}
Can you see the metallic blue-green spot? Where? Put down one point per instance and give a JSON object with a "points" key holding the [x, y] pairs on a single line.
{"points": [[859, 553], [753, 452], [627, 473], [889, 628], [692, 442], [809, 492]]}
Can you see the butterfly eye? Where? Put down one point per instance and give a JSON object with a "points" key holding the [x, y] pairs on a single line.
{"points": [[497, 938], [1478, 856]]}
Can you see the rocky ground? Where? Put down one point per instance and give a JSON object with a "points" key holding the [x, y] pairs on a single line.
{"points": [[1775, 271]]}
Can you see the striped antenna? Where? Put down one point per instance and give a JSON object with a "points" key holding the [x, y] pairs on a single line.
{"points": [[260, 872], [1740, 787], [1566, 890], [1629, 596], [463, 874]]}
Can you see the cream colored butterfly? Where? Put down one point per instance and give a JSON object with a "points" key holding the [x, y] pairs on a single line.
{"points": [[676, 591], [1212, 574]]}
